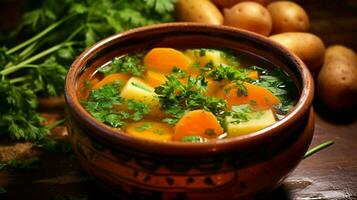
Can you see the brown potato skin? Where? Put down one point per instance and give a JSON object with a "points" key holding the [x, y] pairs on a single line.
{"points": [[249, 16], [307, 46], [230, 3], [337, 79], [288, 17], [203, 11]]}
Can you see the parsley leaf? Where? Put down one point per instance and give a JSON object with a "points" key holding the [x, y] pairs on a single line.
{"points": [[176, 98], [104, 104], [130, 64]]}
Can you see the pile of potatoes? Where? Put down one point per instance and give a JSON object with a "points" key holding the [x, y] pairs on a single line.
{"points": [[286, 23]]}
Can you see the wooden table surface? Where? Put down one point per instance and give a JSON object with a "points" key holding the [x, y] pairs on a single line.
{"points": [[329, 174]]}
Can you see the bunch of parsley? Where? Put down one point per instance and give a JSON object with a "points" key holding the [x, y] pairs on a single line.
{"points": [[55, 32]]}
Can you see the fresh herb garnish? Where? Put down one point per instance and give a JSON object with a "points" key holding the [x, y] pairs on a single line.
{"points": [[130, 64], [196, 139], [103, 104], [176, 98], [241, 113], [55, 32]]}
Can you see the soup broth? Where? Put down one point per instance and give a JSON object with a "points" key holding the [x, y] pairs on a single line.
{"points": [[188, 95]]}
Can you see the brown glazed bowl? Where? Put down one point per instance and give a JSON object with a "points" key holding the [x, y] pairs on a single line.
{"points": [[245, 167]]}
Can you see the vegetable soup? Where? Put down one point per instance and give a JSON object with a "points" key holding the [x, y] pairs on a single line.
{"points": [[188, 95]]}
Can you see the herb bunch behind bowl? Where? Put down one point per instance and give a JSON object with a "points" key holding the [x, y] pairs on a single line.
{"points": [[34, 58]]}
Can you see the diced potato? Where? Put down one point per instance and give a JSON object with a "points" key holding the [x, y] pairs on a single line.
{"points": [[205, 56], [258, 121], [138, 90], [150, 130]]}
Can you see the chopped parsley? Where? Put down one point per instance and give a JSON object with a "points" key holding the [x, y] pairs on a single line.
{"points": [[104, 104], [129, 64], [176, 98], [196, 139], [144, 127]]}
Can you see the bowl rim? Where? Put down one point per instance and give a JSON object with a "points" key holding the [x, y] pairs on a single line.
{"points": [[110, 136]]}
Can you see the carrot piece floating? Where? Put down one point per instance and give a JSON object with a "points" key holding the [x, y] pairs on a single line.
{"points": [[197, 123], [213, 87], [253, 74], [259, 97], [111, 78], [165, 59], [154, 78]]}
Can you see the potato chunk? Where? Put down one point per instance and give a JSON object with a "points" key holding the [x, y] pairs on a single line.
{"points": [[138, 90], [204, 56], [257, 121]]}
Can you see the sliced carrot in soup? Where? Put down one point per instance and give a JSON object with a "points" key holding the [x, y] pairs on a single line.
{"points": [[154, 79], [165, 59], [253, 74], [259, 97], [197, 123], [111, 78]]}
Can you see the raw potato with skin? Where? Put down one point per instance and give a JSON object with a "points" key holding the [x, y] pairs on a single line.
{"points": [[250, 16], [288, 17], [337, 80], [230, 3], [203, 11], [308, 47]]}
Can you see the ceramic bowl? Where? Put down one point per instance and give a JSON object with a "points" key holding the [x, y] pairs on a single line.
{"points": [[245, 167]]}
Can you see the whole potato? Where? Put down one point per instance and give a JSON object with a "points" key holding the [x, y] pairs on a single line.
{"points": [[308, 47], [288, 17], [337, 79], [203, 11], [250, 16], [230, 3]]}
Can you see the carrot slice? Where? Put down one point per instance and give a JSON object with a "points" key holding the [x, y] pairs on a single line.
{"points": [[111, 78], [253, 74], [213, 87], [154, 78], [150, 130], [197, 123], [259, 97], [165, 59]]}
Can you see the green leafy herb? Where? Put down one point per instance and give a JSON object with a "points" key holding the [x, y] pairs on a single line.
{"points": [[22, 164], [241, 113], [176, 98], [281, 85], [130, 64], [55, 32], [54, 146], [196, 139], [103, 104], [144, 127]]}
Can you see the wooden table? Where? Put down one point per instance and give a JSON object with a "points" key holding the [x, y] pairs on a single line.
{"points": [[329, 174]]}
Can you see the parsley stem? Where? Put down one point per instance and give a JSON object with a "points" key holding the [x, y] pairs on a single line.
{"points": [[25, 53], [15, 68], [18, 79], [55, 124], [74, 33], [24, 63], [318, 148], [38, 36]]}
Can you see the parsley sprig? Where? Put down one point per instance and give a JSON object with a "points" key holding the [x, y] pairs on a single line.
{"points": [[176, 97], [55, 32], [105, 105]]}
